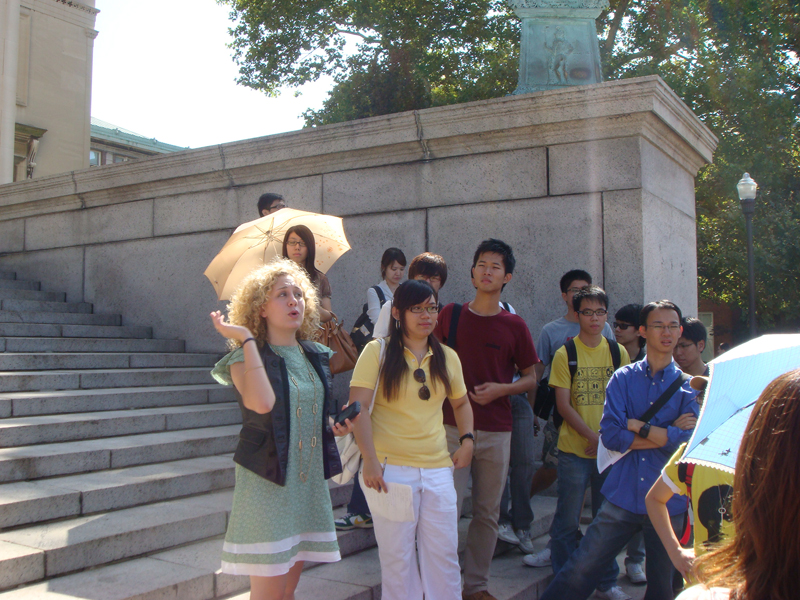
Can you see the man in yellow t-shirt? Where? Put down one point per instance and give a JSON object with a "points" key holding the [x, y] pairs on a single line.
{"points": [[580, 403]]}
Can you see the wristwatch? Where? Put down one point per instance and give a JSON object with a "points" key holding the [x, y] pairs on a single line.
{"points": [[645, 430], [467, 436]]}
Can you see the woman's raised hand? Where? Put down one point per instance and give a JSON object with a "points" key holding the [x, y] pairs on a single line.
{"points": [[226, 330]]}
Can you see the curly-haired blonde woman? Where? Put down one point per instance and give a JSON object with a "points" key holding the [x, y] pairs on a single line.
{"points": [[281, 512]]}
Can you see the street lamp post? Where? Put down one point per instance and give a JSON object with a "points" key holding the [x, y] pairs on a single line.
{"points": [[747, 197]]}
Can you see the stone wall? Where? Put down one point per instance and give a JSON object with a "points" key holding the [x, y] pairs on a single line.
{"points": [[599, 177]]}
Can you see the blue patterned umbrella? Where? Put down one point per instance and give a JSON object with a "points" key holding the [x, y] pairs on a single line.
{"points": [[737, 379]]}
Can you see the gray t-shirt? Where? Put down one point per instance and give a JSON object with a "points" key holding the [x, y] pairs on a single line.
{"points": [[555, 334]]}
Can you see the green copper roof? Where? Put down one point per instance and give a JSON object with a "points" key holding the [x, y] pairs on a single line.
{"points": [[112, 134]]}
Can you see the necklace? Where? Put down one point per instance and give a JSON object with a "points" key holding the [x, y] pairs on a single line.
{"points": [[314, 409]]}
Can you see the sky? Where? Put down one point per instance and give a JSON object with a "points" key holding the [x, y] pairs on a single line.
{"points": [[161, 68]]}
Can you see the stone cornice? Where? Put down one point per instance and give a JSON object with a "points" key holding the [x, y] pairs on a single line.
{"points": [[643, 107], [70, 11], [78, 6]]}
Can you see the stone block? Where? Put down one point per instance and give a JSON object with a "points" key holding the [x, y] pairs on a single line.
{"points": [[12, 236], [48, 460], [144, 377], [199, 211], [458, 180], [19, 564], [302, 193], [595, 166], [142, 279], [126, 221], [28, 502], [91, 345], [669, 254], [139, 579], [26, 381], [172, 445], [623, 238], [58, 270], [549, 236], [662, 176], [65, 307], [32, 295]]}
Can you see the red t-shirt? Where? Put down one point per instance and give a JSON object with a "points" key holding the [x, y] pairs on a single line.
{"points": [[490, 349]]}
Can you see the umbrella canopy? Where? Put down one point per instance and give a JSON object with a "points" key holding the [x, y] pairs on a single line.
{"points": [[255, 243], [737, 379]]}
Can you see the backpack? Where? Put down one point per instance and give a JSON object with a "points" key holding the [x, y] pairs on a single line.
{"points": [[361, 334], [572, 362], [453, 330]]}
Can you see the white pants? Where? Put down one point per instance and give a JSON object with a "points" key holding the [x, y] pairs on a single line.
{"points": [[436, 575]]}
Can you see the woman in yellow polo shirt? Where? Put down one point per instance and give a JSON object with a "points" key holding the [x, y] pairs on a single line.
{"points": [[404, 442]]}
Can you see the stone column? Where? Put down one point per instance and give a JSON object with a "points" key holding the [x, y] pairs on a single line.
{"points": [[8, 90], [559, 45]]}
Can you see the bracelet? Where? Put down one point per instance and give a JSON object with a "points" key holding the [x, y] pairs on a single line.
{"points": [[467, 436], [253, 369], [248, 339]]}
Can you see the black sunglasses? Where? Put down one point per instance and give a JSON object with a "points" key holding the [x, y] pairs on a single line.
{"points": [[424, 392], [622, 326]]}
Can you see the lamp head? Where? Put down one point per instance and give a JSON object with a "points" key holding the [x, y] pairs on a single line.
{"points": [[747, 187]]}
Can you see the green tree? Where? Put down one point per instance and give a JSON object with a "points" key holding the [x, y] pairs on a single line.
{"points": [[734, 62]]}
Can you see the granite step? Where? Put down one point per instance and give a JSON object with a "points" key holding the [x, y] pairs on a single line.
{"points": [[63, 318], [8, 275], [65, 344], [12, 294], [21, 404], [26, 431], [28, 330], [65, 458], [67, 546], [25, 381], [37, 361], [19, 284], [26, 502], [22, 305]]}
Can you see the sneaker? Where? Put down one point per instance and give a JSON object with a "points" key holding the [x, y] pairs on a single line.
{"points": [[614, 593], [353, 520], [635, 573], [506, 533], [525, 543], [540, 559]]}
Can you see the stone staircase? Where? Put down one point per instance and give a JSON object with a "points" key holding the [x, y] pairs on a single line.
{"points": [[116, 471]]}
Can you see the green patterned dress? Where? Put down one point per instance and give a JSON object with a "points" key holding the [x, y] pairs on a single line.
{"points": [[272, 527]]}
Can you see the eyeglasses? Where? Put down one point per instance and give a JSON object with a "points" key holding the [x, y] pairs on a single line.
{"points": [[296, 243], [424, 392], [574, 290], [685, 346], [660, 328], [275, 207], [431, 310], [622, 326], [600, 312]]}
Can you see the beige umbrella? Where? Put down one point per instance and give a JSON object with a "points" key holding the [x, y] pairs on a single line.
{"points": [[255, 243]]}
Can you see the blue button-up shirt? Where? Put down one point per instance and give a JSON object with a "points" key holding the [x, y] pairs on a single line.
{"points": [[630, 392]]}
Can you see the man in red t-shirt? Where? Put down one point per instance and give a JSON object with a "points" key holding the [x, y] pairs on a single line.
{"points": [[493, 345]]}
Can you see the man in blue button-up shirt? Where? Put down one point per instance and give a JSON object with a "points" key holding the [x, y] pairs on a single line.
{"points": [[630, 392]]}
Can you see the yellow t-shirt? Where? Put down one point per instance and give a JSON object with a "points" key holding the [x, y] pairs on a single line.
{"points": [[712, 489], [408, 431], [588, 390]]}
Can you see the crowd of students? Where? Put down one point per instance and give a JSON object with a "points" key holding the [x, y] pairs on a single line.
{"points": [[448, 393]]}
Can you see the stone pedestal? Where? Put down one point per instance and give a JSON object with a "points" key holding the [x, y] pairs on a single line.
{"points": [[558, 47], [598, 177]]}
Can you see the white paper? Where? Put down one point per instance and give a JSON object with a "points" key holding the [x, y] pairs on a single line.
{"points": [[606, 457], [396, 505]]}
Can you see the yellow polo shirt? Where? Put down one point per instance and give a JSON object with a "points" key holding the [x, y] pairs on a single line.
{"points": [[408, 431]]}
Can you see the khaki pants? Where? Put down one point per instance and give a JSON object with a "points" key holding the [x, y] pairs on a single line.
{"points": [[489, 470]]}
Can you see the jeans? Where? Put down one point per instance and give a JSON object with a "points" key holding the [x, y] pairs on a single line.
{"points": [[358, 503], [606, 537], [521, 467], [575, 474], [635, 550]]}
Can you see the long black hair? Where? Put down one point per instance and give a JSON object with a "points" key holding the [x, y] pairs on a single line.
{"points": [[304, 233], [408, 294]]}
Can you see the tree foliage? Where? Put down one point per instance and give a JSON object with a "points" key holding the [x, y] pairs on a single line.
{"points": [[734, 63]]}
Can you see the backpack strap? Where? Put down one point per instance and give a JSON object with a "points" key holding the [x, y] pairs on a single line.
{"points": [[572, 359], [616, 355], [381, 296], [664, 398], [506, 306], [452, 333]]}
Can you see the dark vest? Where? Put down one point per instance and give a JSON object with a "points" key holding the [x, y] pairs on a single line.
{"points": [[264, 440]]}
